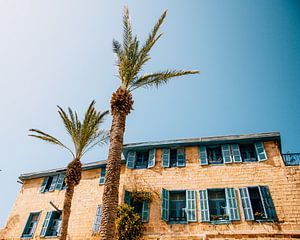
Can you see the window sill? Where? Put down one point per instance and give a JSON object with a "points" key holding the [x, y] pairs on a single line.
{"points": [[26, 237], [177, 222], [265, 220], [217, 222]]}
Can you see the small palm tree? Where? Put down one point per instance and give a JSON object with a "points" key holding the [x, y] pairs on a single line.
{"points": [[85, 135], [131, 57]]}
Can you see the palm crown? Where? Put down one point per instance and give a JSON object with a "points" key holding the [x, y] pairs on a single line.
{"points": [[85, 135], [131, 58]]}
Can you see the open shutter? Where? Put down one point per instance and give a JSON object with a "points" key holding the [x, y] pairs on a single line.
{"points": [[96, 225], [166, 157], [204, 207], [53, 183], [43, 186], [236, 154], [226, 153], [25, 231], [151, 160], [131, 156], [246, 204], [260, 151], [191, 206], [165, 205], [60, 181], [102, 176], [203, 156], [180, 157], [145, 210], [127, 197], [46, 223], [267, 202], [231, 204]]}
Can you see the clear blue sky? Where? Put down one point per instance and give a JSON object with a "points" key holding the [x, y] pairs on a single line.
{"points": [[59, 52]]}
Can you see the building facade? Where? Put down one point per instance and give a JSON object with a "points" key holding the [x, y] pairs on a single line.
{"points": [[230, 187]]}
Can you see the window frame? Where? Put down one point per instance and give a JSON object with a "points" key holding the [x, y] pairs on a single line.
{"points": [[28, 236]]}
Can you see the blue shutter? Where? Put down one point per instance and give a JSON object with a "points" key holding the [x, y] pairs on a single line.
{"points": [[226, 153], [231, 204], [25, 231], [46, 223], [191, 206], [180, 157], [151, 160], [204, 206], [203, 156], [236, 154], [53, 183], [96, 225], [131, 156], [102, 176], [127, 198], [60, 181], [165, 205], [260, 151], [166, 157], [267, 202], [145, 210], [43, 186], [246, 204]]}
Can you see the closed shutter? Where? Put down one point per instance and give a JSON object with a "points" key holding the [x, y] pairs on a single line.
{"points": [[127, 197], [146, 209], [166, 157], [102, 176], [246, 204], [44, 184], [165, 205], [96, 225], [204, 207], [60, 181], [231, 204], [151, 160], [203, 156], [267, 202], [53, 183], [180, 157], [226, 153], [46, 223], [131, 156], [191, 206], [236, 154], [260, 151]]}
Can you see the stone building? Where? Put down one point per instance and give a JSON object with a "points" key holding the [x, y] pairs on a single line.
{"points": [[229, 187]]}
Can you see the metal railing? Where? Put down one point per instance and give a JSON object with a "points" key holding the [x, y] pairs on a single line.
{"points": [[291, 159]]}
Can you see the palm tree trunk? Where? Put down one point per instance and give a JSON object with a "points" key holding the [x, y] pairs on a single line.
{"points": [[112, 178]]}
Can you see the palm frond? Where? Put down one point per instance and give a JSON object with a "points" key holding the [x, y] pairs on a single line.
{"points": [[100, 138], [48, 138], [159, 78], [127, 30]]}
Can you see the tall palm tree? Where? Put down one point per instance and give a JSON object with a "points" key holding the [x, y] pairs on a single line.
{"points": [[85, 135], [131, 57]]}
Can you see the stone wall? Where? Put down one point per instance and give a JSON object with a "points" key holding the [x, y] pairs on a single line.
{"points": [[284, 184]]}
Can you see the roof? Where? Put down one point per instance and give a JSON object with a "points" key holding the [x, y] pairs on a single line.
{"points": [[275, 136]]}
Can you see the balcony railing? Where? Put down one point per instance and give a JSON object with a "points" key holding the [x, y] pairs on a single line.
{"points": [[291, 159]]}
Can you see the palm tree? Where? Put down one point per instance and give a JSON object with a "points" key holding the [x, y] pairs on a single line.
{"points": [[130, 60], [85, 135]]}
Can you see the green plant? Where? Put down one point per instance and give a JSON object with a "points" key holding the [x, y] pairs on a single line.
{"points": [[128, 223], [140, 196]]}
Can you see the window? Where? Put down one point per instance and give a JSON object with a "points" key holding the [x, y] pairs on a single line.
{"points": [[51, 183], [102, 175], [96, 225], [214, 155], [218, 205], [30, 225], [52, 224], [257, 203], [142, 208], [232, 153], [173, 157], [141, 159], [179, 206]]}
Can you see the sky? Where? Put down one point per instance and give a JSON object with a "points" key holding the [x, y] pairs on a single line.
{"points": [[59, 53]]}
